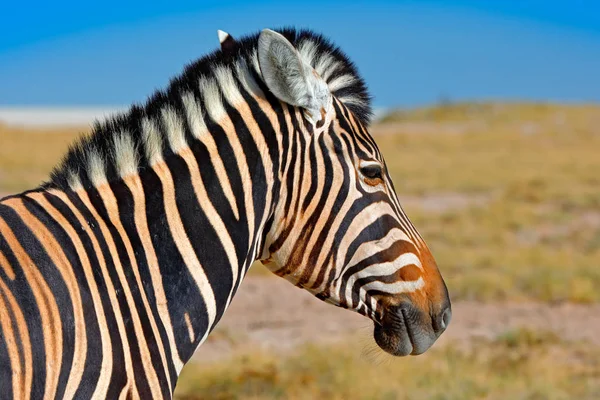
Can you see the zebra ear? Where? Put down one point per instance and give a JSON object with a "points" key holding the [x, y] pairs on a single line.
{"points": [[289, 78], [227, 41]]}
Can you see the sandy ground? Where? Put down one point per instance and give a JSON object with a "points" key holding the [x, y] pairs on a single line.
{"points": [[270, 313]]}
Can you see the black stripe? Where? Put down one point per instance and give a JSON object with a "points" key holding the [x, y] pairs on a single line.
{"points": [[344, 121], [295, 157], [127, 313], [161, 242], [119, 374], [314, 175], [6, 372], [240, 234], [26, 301], [203, 238], [340, 198], [268, 132], [181, 291], [126, 208], [66, 307], [93, 360]]}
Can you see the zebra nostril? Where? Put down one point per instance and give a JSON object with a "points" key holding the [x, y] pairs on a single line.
{"points": [[446, 317], [442, 321]]}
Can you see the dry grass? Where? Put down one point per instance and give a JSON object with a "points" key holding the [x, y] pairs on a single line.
{"points": [[27, 155], [520, 364], [532, 234], [535, 235]]}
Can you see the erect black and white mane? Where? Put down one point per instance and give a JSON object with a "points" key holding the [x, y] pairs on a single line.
{"points": [[116, 146]]}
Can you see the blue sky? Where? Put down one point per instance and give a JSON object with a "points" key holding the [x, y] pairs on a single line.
{"points": [[410, 52]]}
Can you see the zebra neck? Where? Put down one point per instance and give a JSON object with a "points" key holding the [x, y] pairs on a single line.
{"points": [[192, 184], [173, 243], [205, 213]]}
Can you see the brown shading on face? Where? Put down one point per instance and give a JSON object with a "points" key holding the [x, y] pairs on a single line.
{"points": [[350, 243], [411, 322]]}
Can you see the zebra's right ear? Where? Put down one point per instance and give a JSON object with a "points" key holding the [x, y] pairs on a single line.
{"points": [[289, 78]]}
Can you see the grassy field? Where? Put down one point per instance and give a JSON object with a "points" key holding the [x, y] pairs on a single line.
{"points": [[519, 364], [28, 154], [527, 227], [537, 233], [508, 198], [526, 177]]}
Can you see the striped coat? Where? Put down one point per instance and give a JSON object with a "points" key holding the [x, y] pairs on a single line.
{"points": [[114, 271]]}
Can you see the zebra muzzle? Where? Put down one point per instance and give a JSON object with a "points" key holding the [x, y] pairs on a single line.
{"points": [[407, 330]]}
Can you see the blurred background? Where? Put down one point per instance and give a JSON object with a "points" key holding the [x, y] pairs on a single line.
{"points": [[488, 115]]}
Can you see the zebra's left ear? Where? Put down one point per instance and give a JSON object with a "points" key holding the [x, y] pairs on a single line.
{"points": [[227, 41], [289, 78]]}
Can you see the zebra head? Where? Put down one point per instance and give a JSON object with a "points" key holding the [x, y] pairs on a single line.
{"points": [[338, 229]]}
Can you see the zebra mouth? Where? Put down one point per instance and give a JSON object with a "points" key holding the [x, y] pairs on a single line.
{"points": [[404, 331]]}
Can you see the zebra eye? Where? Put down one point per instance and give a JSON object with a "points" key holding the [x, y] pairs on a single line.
{"points": [[373, 174]]}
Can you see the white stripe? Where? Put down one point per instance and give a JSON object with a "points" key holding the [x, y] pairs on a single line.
{"points": [[381, 270], [174, 128], [308, 51], [396, 287], [330, 70], [152, 141], [96, 167], [228, 85], [212, 99], [341, 82], [125, 154], [247, 80]]}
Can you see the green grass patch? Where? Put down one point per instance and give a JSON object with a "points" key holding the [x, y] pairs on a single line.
{"points": [[519, 364]]}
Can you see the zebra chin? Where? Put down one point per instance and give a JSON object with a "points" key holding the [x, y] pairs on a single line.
{"points": [[406, 330]]}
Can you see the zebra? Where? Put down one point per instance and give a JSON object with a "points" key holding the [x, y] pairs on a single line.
{"points": [[117, 268]]}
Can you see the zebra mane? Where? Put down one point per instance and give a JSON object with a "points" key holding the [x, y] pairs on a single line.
{"points": [[125, 142]]}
